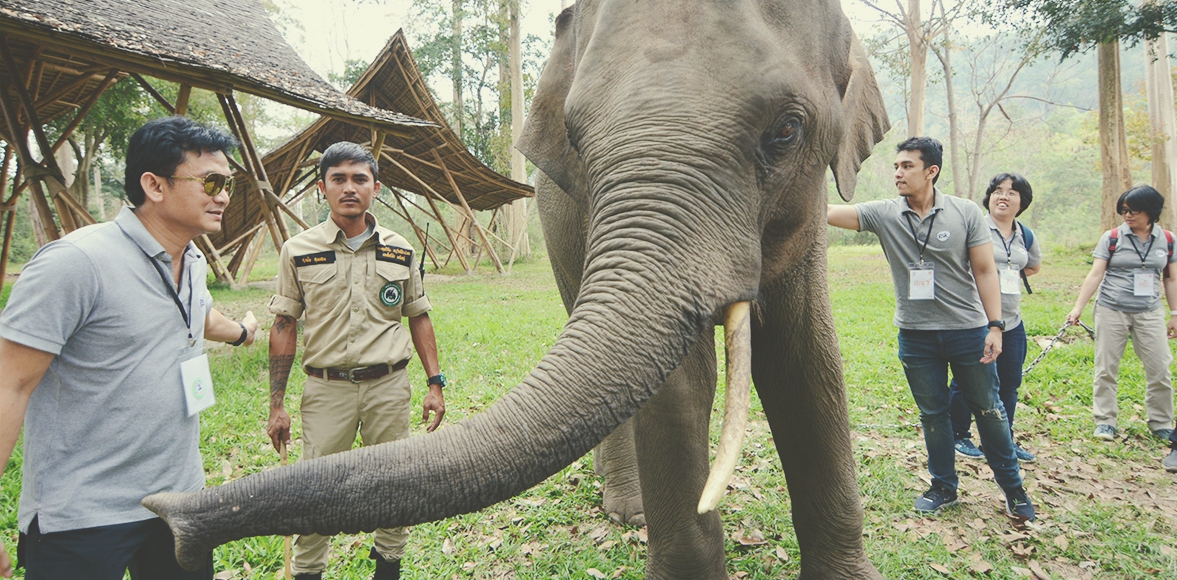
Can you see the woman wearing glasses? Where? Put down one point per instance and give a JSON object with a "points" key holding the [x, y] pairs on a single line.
{"points": [[1131, 267], [1017, 254]]}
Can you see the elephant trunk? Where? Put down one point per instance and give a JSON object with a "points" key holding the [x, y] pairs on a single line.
{"points": [[631, 326]]}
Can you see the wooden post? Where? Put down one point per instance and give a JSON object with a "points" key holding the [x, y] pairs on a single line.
{"points": [[490, 251], [219, 269], [258, 167], [182, 100], [255, 248], [436, 213]]}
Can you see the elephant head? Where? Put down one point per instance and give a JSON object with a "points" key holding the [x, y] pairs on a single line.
{"points": [[695, 137]]}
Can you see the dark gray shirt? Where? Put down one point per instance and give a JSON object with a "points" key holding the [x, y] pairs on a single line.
{"points": [[107, 425], [950, 228], [1116, 290]]}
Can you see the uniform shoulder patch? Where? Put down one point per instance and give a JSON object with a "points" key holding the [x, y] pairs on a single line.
{"points": [[394, 254], [327, 257]]}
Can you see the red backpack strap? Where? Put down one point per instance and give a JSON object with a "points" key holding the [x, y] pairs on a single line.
{"points": [[1169, 239], [1114, 236]]}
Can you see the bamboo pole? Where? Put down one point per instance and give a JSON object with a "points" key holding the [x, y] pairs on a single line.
{"points": [[416, 230], [9, 223], [255, 249], [267, 215], [436, 213], [154, 93], [218, 264], [490, 251], [259, 167], [182, 99]]}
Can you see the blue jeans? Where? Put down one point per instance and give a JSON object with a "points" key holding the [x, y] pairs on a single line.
{"points": [[926, 355], [1009, 378]]}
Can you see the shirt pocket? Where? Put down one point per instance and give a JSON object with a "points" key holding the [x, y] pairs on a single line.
{"points": [[315, 282], [390, 296]]}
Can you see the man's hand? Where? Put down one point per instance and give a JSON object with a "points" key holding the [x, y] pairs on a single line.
{"points": [[5, 563], [278, 428], [250, 323], [434, 401], [992, 346]]}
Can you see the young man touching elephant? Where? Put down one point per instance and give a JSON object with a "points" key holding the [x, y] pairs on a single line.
{"points": [[102, 361], [948, 310], [354, 281]]}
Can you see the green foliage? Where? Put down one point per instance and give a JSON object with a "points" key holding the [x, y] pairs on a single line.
{"points": [[1075, 26], [352, 71]]}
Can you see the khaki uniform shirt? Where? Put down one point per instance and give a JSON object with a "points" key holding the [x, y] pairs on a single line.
{"points": [[353, 301]]}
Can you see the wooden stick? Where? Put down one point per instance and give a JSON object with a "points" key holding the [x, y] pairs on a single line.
{"points": [[154, 93], [494, 257], [436, 212]]}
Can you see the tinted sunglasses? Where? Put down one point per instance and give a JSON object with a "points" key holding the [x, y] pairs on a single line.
{"points": [[213, 182]]}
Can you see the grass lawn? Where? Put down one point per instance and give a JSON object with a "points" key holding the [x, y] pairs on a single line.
{"points": [[1106, 510]]}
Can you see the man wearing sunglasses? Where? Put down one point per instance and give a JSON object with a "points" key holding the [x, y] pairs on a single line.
{"points": [[101, 360], [354, 282]]}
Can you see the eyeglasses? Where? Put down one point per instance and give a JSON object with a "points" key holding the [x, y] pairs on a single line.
{"points": [[1007, 194], [1126, 211], [214, 183]]}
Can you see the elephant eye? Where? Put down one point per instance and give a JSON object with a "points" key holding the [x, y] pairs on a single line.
{"points": [[788, 132]]}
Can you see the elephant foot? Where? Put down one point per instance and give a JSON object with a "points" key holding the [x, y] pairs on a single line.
{"points": [[623, 507], [859, 567]]}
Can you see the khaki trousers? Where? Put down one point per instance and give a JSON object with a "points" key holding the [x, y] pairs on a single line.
{"points": [[1149, 340], [332, 411]]}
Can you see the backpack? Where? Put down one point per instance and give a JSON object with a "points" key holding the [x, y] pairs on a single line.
{"points": [[1114, 237], [1028, 237]]}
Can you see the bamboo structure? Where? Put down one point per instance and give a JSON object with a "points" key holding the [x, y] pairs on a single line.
{"points": [[57, 57], [430, 163]]}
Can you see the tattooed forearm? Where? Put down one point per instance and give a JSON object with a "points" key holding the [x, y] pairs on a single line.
{"points": [[282, 323], [279, 373]]}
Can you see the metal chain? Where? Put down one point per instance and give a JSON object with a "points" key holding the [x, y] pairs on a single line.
{"points": [[1053, 341]]}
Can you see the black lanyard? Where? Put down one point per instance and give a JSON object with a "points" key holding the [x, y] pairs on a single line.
{"points": [[1151, 239], [175, 296], [1009, 248], [917, 238]]}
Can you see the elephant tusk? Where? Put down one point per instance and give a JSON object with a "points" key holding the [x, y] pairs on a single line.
{"points": [[738, 343]]}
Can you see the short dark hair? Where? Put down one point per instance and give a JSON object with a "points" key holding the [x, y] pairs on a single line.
{"points": [[1142, 198], [1019, 184], [159, 146], [347, 152], [931, 152]]}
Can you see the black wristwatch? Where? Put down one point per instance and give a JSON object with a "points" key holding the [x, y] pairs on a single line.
{"points": [[244, 335], [998, 324], [438, 379]]}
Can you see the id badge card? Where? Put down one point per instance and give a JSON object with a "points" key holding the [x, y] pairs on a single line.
{"points": [[921, 281], [1010, 281], [198, 384], [1144, 283]]}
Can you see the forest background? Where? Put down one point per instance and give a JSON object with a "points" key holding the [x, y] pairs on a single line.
{"points": [[994, 86]]}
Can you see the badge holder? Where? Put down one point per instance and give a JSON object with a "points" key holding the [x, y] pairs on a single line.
{"points": [[198, 384], [1144, 283], [921, 281], [1010, 281]]}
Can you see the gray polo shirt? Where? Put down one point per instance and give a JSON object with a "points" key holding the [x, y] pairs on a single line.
{"points": [[1012, 254], [951, 227], [107, 424], [1116, 290]]}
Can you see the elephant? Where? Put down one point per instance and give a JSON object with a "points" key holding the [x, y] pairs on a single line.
{"points": [[683, 150]]}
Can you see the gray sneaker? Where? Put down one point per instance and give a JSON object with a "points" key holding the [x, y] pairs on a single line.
{"points": [[1170, 462], [936, 498], [1105, 432], [1163, 434], [1018, 506]]}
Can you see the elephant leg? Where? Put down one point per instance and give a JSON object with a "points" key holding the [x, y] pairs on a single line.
{"points": [[797, 369], [615, 460], [671, 438]]}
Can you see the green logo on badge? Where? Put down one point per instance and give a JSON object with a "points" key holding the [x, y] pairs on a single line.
{"points": [[390, 294], [198, 389]]}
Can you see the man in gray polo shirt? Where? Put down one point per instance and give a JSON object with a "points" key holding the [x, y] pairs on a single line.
{"points": [[101, 360], [948, 310]]}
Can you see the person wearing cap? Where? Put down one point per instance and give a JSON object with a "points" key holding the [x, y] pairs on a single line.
{"points": [[101, 359], [353, 282], [1017, 254]]}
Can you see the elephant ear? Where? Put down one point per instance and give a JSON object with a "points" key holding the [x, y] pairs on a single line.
{"points": [[865, 119], [545, 138]]}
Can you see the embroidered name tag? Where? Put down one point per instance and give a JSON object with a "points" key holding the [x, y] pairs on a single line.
{"points": [[402, 256], [327, 257]]}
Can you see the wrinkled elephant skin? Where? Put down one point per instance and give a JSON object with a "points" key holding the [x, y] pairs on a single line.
{"points": [[683, 150]]}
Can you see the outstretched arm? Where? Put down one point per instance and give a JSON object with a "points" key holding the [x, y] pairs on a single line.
{"points": [[426, 344], [221, 328], [843, 216], [21, 369], [283, 344]]}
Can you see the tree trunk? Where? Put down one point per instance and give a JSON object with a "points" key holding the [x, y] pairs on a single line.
{"points": [[516, 212], [944, 54], [1159, 83], [919, 72], [98, 199], [456, 69], [1113, 146], [39, 234]]}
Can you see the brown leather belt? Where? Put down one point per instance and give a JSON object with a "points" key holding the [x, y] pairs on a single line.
{"points": [[357, 374]]}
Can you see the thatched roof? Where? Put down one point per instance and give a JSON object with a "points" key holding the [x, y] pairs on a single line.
{"points": [[391, 82], [211, 44]]}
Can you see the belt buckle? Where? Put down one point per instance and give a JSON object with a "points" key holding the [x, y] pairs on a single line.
{"points": [[351, 374]]}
